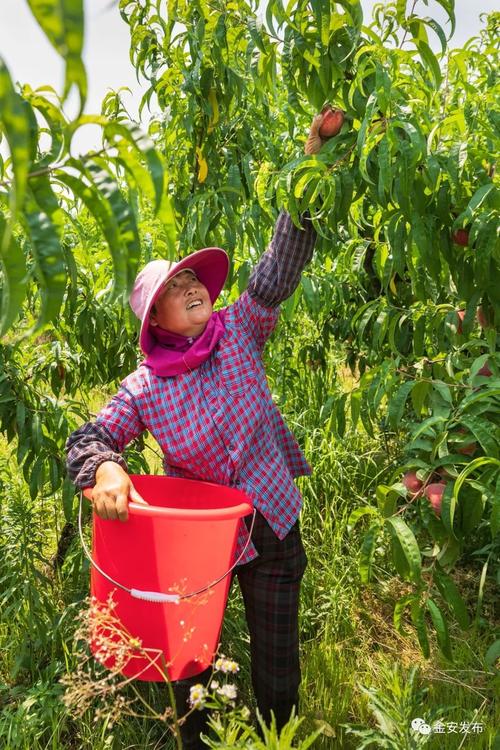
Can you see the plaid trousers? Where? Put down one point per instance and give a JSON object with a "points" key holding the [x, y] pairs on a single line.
{"points": [[270, 586]]}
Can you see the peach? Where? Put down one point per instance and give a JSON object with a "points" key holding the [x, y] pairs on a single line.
{"points": [[412, 483], [434, 493], [468, 450], [482, 318], [461, 237], [333, 119], [485, 371], [460, 316]]}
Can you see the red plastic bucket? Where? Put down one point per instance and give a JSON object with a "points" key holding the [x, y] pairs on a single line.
{"points": [[178, 544]]}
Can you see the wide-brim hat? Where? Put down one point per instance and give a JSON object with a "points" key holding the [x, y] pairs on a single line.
{"points": [[211, 266]]}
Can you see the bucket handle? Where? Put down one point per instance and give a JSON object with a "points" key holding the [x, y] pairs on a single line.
{"points": [[157, 596]]}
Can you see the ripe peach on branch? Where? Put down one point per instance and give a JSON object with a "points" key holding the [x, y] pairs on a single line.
{"points": [[434, 494], [461, 237], [468, 450], [482, 317], [467, 445], [412, 483], [332, 122], [485, 371], [460, 316]]}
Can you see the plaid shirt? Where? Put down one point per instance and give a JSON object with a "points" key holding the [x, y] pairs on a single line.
{"points": [[218, 422]]}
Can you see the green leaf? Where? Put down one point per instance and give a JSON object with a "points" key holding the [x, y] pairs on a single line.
{"points": [[448, 508], [472, 504], [484, 431], [48, 256], [119, 134], [495, 510], [36, 432], [438, 30], [426, 425], [398, 401], [359, 513], [310, 293], [54, 117], [101, 210], [263, 187], [441, 629], [14, 122], [289, 307], [399, 559], [20, 418], [367, 552], [62, 23], [303, 181], [400, 11], [451, 595], [354, 9], [430, 61], [37, 476], [475, 202], [385, 175], [417, 140], [418, 619], [54, 477], [355, 407], [256, 34], [409, 546], [340, 415], [492, 655], [399, 609], [471, 467], [366, 141], [486, 243], [419, 395], [387, 497], [419, 335], [423, 239], [14, 270], [68, 499], [126, 223], [449, 7]]}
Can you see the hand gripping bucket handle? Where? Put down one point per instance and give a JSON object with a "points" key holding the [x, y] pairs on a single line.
{"points": [[156, 596]]}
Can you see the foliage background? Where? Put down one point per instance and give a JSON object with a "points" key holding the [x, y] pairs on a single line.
{"points": [[395, 379]]}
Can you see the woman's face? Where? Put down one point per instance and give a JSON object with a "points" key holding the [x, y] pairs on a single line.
{"points": [[183, 306]]}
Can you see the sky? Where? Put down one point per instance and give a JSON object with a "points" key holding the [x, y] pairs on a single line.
{"points": [[31, 59]]}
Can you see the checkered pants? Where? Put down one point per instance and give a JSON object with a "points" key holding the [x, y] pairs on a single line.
{"points": [[270, 587]]}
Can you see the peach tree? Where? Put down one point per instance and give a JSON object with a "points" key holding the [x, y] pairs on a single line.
{"points": [[404, 199], [406, 204]]}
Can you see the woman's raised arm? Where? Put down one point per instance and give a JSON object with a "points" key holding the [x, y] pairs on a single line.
{"points": [[277, 274]]}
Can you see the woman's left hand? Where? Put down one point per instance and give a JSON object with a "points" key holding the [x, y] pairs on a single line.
{"points": [[314, 140]]}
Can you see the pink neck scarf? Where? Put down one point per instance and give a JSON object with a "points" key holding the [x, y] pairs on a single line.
{"points": [[174, 354]]}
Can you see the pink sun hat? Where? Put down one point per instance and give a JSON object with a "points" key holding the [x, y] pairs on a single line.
{"points": [[211, 266]]}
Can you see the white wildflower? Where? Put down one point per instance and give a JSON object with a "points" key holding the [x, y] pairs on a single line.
{"points": [[228, 691], [226, 665], [197, 696]]}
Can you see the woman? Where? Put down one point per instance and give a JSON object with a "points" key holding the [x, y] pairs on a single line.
{"points": [[203, 394]]}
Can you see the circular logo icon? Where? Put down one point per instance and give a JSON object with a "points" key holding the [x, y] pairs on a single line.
{"points": [[424, 728], [417, 723]]}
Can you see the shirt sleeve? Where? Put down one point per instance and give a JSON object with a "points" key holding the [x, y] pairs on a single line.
{"points": [[277, 274], [257, 321], [116, 425]]}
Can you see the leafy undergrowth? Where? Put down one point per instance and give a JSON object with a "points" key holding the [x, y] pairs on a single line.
{"points": [[356, 666]]}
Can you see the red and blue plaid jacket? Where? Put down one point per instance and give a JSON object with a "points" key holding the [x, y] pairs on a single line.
{"points": [[218, 422]]}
